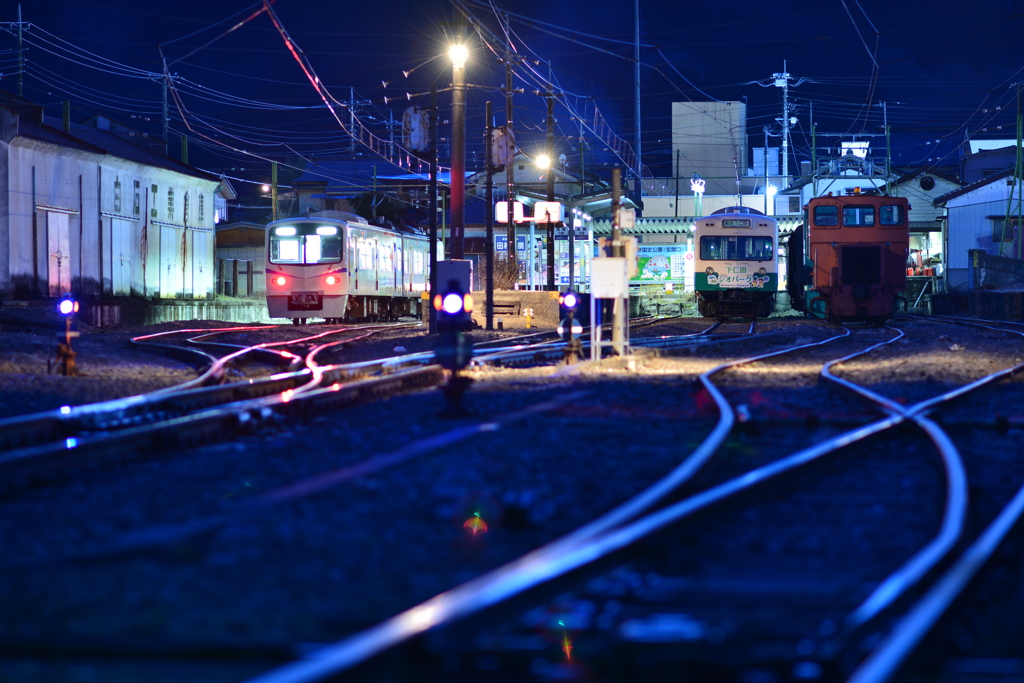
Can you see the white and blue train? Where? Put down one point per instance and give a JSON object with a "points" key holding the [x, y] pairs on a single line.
{"points": [[336, 266]]}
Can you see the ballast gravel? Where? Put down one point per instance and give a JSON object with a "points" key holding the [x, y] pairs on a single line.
{"points": [[159, 557]]}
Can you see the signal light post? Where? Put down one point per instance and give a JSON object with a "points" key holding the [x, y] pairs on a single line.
{"points": [[568, 328], [454, 351], [67, 307]]}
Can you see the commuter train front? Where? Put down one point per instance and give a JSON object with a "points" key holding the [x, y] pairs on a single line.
{"points": [[338, 268], [736, 266]]}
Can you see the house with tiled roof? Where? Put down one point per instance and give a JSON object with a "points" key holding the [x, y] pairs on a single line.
{"points": [[96, 209]]}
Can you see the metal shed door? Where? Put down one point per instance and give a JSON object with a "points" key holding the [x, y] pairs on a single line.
{"points": [[120, 256], [58, 245]]}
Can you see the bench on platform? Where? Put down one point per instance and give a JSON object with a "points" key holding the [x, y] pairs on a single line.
{"points": [[512, 308]]}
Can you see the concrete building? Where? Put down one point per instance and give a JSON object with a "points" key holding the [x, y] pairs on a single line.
{"points": [[710, 138]]}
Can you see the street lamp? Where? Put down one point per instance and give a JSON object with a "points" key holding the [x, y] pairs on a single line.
{"points": [[459, 53]]}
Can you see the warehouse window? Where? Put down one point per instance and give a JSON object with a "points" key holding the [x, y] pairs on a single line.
{"points": [[152, 211], [170, 204], [117, 195], [136, 206], [202, 212], [1003, 231]]}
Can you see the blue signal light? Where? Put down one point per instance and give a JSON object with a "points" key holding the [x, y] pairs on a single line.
{"points": [[67, 306]]}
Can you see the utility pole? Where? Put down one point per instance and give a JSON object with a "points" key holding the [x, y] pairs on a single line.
{"points": [[458, 153], [618, 251], [551, 190], [352, 121], [510, 193], [431, 312], [273, 189], [678, 151], [781, 80], [166, 115], [766, 212], [21, 58], [489, 197], [637, 182], [888, 150]]}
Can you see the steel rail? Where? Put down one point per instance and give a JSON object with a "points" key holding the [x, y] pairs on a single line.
{"points": [[911, 572], [885, 660], [239, 416], [612, 532], [571, 551]]}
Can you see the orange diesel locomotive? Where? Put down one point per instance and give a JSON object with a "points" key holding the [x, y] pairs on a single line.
{"points": [[853, 263]]}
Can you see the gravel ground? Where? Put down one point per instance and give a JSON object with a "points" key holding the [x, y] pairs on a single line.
{"points": [[321, 567]]}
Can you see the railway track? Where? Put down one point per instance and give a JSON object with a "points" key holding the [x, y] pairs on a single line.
{"points": [[609, 588], [204, 409], [565, 566]]}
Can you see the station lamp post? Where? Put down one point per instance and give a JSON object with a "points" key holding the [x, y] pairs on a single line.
{"points": [[459, 54]]}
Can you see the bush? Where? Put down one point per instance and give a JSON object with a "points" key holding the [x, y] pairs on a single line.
{"points": [[506, 273]]}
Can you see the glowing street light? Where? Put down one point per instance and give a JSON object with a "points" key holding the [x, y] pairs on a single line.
{"points": [[459, 55]]}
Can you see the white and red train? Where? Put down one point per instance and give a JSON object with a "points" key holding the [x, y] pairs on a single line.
{"points": [[336, 266]]}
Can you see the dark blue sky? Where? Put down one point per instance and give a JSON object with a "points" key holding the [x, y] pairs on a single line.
{"points": [[940, 65]]}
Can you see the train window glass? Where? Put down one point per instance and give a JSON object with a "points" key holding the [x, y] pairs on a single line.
{"points": [[733, 248], [312, 249], [890, 215], [299, 244], [826, 215], [365, 255], [417, 263], [858, 216], [284, 249], [322, 248]]}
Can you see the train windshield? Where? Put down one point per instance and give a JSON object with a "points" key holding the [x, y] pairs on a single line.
{"points": [[305, 244], [826, 215], [859, 216], [734, 248], [890, 214]]}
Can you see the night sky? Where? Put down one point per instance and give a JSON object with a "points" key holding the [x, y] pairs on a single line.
{"points": [[934, 64]]}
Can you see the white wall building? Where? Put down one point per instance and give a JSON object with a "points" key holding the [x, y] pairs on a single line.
{"points": [[92, 210]]}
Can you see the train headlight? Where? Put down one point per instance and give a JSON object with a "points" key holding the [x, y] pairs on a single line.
{"points": [[331, 279], [280, 280]]}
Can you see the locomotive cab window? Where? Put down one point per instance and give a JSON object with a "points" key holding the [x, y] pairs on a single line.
{"points": [[826, 215], [735, 248], [305, 244], [891, 215], [859, 216]]}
